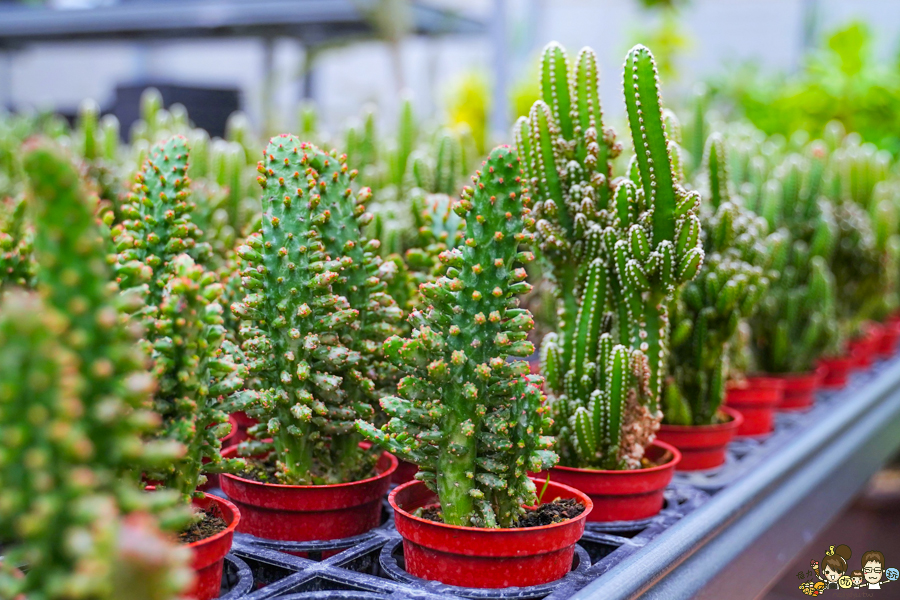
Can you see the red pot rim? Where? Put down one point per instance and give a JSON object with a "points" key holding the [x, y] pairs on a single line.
{"points": [[676, 458], [756, 380], [227, 453], [839, 361], [225, 532], [736, 421], [584, 498]]}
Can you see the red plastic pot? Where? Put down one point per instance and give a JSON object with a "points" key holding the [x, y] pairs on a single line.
{"points": [[406, 471], [890, 335], [836, 371], [863, 348], [485, 558], [800, 390], [303, 513], [622, 495], [209, 554], [756, 399], [702, 447]]}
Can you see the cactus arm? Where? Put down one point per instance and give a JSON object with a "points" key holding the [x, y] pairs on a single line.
{"points": [[555, 87], [642, 101]]}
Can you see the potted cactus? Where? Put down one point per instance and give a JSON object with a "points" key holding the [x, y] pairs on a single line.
{"points": [[705, 318], [470, 415], [796, 321], [73, 397], [865, 258], [313, 321], [185, 335], [616, 250]]}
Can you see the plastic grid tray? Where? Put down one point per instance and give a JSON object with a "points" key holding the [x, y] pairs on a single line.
{"points": [[370, 566]]}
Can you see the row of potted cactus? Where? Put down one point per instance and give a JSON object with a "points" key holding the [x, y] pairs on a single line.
{"points": [[346, 350]]}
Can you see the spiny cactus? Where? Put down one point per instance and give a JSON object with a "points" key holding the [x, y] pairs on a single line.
{"points": [[796, 321], [73, 393], [192, 372], [17, 266], [470, 418], [184, 324], [866, 249], [158, 224], [708, 310], [297, 326], [617, 253]]}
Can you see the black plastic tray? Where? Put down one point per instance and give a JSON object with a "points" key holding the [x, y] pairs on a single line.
{"points": [[370, 566]]}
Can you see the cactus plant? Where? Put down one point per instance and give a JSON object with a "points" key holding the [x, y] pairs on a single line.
{"points": [[708, 310], [616, 251], [796, 322], [17, 266], [184, 320], [80, 374], [469, 417], [311, 385]]}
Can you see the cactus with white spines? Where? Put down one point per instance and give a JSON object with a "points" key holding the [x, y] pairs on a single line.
{"points": [[796, 320], [708, 310], [616, 251], [73, 409], [314, 354], [467, 415]]}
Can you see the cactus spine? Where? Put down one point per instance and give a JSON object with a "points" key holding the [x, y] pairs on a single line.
{"points": [[471, 419]]}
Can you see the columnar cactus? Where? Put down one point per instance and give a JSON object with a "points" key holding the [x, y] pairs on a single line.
{"points": [[184, 320], [796, 321], [310, 386], [866, 251], [708, 310], [73, 396], [469, 417], [617, 252]]}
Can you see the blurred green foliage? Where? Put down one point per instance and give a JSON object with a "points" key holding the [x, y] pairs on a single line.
{"points": [[841, 80]]}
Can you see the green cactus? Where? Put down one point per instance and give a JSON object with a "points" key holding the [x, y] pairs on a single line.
{"points": [[708, 310], [192, 372], [17, 266], [616, 251], [73, 396], [158, 225], [297, 325], [184, 321], [470, 418], [796, 320]]}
